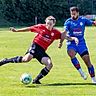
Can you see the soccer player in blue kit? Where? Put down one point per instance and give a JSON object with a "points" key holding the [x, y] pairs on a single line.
{"points": [[75, 27]]}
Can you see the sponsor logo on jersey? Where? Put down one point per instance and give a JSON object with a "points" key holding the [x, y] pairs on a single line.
{"points": [[77, 31]]}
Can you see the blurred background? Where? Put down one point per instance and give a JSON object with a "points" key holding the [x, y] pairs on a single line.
{"points": [[29, 12]]}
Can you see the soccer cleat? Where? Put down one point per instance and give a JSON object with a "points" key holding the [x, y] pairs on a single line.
{"points": [[4, 61], [36, 82], [83, 75], [93, 80]]}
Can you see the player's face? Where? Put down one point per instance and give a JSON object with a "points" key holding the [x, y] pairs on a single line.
{"points": [[74, 15], [50, 24]]}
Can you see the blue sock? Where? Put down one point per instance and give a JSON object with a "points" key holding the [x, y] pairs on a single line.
{"points": [[75, 62], [91, 71]]}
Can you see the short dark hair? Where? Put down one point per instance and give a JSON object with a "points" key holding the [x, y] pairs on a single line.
{"points": [[74, 9]]}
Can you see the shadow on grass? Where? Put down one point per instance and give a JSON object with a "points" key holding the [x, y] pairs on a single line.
{"points": [[31, 86], [58, 84], [27, 86], [68, 84]]}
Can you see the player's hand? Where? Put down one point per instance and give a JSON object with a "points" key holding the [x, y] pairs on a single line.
{"points": [[76, 40], [95, 23], [13, 29], [60, 45]]}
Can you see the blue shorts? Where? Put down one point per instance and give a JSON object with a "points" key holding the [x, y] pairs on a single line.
{"points": [[80, 48]]}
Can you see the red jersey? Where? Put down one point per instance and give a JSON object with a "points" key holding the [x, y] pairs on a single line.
{"points": [[45, 37]]}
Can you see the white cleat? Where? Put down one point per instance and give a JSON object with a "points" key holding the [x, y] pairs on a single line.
{"points": [[94, 80], [84, 76]]}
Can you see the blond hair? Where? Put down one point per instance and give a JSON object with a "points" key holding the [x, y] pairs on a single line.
{"points": [[51, 18]]}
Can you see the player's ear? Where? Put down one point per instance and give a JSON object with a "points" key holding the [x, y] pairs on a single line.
{"points": [[54, 21], [45, 20], [78, 13], [54, 24]]}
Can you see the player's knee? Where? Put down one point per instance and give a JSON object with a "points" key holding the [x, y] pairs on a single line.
{"points": [[49, 66], [47, 62], [24, 59], [27, 58], [71, 54]]}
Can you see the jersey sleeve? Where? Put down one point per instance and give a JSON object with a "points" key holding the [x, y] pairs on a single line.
{"points": [[88, 22], [58, 34], [35, 28], [66, 25]]}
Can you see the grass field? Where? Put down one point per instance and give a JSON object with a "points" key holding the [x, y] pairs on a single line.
{"points": [[63, 80]]}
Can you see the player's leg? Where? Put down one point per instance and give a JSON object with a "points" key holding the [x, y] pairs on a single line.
{"points": [[11, 60], [72, 54], [48, 65], [86, 58], [17, 59], [83, 51]]}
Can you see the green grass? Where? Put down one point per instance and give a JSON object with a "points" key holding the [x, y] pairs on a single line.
{"points": [[63, 80]]}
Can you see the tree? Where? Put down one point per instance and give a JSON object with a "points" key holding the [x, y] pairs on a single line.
{"points": [[23, 12]]}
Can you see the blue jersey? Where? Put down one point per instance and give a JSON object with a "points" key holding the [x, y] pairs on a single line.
{"points": [[76, 28]]}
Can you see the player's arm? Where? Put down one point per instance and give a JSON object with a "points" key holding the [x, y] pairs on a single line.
{"points": [[20, 30], [34, 28], [64, 36], [94, 23], [89, 22], [72, 39]]}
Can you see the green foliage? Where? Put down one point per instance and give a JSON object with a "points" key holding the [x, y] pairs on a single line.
{"points": [[23, 12]]}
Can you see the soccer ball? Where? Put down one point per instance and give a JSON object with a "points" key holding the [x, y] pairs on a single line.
{"points": [[26, 78]]}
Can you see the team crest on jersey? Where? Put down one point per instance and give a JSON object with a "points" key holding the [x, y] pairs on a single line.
{"points": [[81, 23], [52, 34]]}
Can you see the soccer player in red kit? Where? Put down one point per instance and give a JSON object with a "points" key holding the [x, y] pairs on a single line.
{"points": [[46, 35]]}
